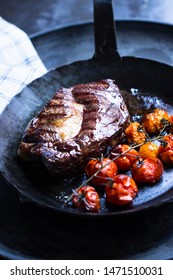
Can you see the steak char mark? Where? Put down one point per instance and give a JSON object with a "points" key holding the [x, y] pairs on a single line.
{"points": [[77, 124]]}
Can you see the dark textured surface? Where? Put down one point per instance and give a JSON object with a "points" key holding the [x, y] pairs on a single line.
{"points": [[42, 234], [27, 231]]}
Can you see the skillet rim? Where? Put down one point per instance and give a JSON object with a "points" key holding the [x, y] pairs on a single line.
{"points": [[79, 24], [33, 36], [153, 203]]}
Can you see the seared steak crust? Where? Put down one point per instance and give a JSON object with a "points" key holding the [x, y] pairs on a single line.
{"points": [[76, 124]]}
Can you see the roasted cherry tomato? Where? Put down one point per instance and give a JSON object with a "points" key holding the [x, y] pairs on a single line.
{"points": [[155, 121], [135, 133], [149, 149], [87, 198], [105, 173], [125, 161], [166, 150], [122, 191], [147, 171]]}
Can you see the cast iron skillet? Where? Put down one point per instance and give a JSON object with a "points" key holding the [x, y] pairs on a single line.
{"points": [[140, 78]]}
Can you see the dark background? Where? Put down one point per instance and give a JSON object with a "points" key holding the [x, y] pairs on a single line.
{"points": [[41, 15]]}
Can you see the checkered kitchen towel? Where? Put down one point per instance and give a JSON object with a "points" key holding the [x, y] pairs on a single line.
{"points": [[19, 62]]}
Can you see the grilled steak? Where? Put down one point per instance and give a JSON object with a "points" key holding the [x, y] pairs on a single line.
{"points": [[76, 124]]}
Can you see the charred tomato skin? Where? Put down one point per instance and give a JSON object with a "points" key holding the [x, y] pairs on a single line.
{"points": [[135, 134], [87, 198], [122, 191], [147, 171], [166, 150], [107, 172], [152, 122], [125, 161]]}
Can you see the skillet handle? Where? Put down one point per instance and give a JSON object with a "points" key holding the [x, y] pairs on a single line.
{"points": [[104, 31]]}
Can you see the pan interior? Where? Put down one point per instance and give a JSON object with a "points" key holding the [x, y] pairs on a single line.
{"points": [[145, 85]]}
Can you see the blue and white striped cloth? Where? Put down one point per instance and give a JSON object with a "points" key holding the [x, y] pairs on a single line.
{"points": [[19, 62]]}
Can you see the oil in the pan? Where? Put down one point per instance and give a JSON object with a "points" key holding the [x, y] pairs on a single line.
{"points": [[67, 185], [140, 102]]}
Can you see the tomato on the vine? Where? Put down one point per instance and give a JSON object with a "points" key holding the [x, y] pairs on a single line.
{"points": [[166, 150], [86, 198], [135, 133], [126, 156], [155, 121], [104, 173], [149, 149], [147, 171], [139, 154], [122, 191]]}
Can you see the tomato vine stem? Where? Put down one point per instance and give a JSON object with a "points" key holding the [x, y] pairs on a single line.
{"points": [[133, 146]]}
